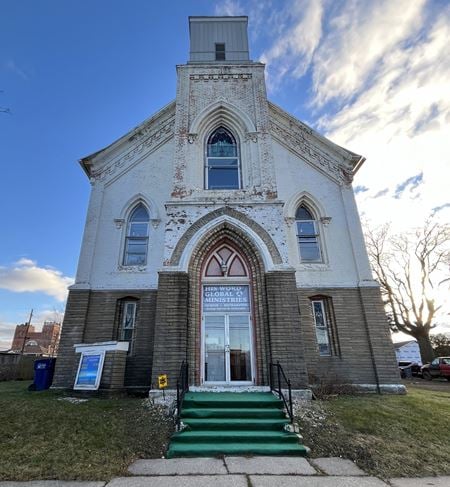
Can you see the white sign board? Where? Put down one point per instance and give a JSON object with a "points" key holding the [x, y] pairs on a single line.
{"points": [[226, 298], [90, 370]]}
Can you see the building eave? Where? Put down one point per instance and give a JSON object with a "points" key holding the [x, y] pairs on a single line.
{"points": [[87, 162], [353, 160]]}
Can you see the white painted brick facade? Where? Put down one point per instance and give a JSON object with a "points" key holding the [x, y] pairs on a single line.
{"points": [[162, 162]]}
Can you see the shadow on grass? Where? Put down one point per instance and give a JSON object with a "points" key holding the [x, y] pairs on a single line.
{"points": [[45, 437], [387, 436]]}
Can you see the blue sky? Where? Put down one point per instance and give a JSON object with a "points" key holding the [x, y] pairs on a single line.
{"points": [[371, 75]]}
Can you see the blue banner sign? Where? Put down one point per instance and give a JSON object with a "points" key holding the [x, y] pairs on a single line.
{"points": [[226, 298], [89, 371]]}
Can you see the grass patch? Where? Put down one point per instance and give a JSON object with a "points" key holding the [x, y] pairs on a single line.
{"points": [[43, 437], [388, 436]]}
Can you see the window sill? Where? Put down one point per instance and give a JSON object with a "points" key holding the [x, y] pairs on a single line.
{"points": [[132, 268], [313, 266]]}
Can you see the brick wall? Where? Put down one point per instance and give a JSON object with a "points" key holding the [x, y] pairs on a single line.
{"points": [[71, 333], [366, 350], [284, 324], [170, 342], [114, 370], [378, 329], [92, 316], [168, 330]]}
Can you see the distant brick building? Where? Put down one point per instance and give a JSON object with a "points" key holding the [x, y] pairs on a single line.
{"points": [[224, 232], [44, 342]]}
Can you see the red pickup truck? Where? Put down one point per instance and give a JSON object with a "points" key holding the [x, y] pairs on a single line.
{"points": [[439, 367]]}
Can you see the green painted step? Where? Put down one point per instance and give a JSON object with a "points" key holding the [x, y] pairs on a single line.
{"points": [[262, 413], [231, 400], [250, 436], [235, 423], [242, 448]]}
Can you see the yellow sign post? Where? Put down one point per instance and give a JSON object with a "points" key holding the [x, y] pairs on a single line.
{"points": [[162, 382]]}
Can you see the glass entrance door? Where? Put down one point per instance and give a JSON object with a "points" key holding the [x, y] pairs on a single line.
{"points": [[215, 346], [239, 348], [227, 348]]}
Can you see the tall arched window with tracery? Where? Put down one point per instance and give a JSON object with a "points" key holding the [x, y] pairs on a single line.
{"points": [[222, 166], [136, 240], [307, 235]]}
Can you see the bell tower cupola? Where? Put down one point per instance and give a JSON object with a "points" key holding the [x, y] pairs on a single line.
{"points": [[221, 40]]}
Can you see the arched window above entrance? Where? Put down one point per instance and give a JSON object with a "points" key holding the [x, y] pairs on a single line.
{"points": [[225, 262], [222, 168]]}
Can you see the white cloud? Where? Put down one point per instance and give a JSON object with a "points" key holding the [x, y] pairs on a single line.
{"points": [[7, 327], [379, 73], [14, 68], [401, 124], [228, 7], [55, 314], [6, 335], [358, 38], [26, 276], [299, 27]]}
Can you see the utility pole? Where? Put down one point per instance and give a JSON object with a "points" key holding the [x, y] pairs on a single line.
{"points": [[26, 332]]}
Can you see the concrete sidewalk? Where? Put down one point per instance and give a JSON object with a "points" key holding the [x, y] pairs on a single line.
{"points": [[244, 472]]}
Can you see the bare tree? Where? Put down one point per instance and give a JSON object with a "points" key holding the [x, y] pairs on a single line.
{"points": [[410, 268], [441, 344]]}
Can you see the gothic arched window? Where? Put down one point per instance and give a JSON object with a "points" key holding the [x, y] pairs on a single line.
{"points": [[307, 235], [226, 262], [136, 241], [222, 168]]}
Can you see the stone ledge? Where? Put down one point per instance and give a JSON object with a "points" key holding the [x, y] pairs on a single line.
{"points": [[337, 466], [269, 465], [293, 481], [181, 481], [52, 483], [178, 466]]}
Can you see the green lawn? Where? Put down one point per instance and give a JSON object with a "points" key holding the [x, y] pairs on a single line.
{"points": [[43, 437], [387, 436]]}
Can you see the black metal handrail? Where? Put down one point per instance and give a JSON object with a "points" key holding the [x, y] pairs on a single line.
{"points": [[278, 389], [182, 388]]}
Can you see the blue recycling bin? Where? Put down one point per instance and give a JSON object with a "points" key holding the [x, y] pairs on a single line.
{"points": [[43, 373]]}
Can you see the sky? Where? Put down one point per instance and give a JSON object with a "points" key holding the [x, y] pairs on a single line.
{"points": [[371, 75]]}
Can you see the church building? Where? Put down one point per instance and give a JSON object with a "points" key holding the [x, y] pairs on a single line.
{"points": [[223, 232]]}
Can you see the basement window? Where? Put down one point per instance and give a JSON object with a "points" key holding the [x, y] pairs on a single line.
{"points": [[128, 320], [322, 329]]}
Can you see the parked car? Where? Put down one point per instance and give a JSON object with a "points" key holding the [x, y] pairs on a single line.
{"points": [[439, 367], [408, 369]]}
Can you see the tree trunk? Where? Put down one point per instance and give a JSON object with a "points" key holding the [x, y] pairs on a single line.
{"points": [[426, 350]]}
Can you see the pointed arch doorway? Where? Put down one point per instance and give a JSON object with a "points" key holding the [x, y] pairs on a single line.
{"points": [[227, 338]]}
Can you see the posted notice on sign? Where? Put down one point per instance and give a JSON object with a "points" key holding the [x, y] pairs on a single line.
{"points": [[226, 298], [162, 381]]}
